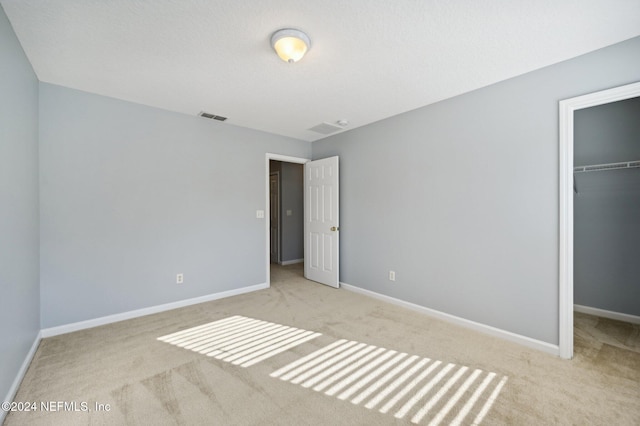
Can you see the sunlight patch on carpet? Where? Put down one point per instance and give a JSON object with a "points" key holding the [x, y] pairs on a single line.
{"points": [[408, 386], [239, 340]]}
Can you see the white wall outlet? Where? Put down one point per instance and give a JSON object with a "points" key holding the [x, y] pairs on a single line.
{"points": [[392, 275], [259, 214], [179, 278], [289, 212]]}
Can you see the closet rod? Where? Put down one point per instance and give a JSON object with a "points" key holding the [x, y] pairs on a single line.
{"points": [[609, 166]]}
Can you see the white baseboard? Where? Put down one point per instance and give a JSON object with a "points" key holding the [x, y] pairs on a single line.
{"points": [[291, 262], [23, 370], [487, 329], [633, 319], [96, 322]]}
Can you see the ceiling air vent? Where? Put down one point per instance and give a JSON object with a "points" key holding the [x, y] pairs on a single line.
{"points": [[325, 128], [212, 116]]}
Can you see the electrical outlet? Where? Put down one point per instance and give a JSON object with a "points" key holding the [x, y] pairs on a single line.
{"points": [[392, 275], [259, 214], [179, 278]]}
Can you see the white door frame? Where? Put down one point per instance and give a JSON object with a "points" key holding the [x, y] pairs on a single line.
{"points": [[567, 108], [286, 159]]}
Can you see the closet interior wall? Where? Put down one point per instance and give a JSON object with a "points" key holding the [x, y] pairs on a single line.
{"points": [[607, 208]]}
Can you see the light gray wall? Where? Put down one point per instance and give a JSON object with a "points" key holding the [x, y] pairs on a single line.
{"points": [[132, 195], [607, 208], [460, 198], [291, 198], [19, 232]]}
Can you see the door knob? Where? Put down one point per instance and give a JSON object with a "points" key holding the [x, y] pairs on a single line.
{"points": [[335, 228]]}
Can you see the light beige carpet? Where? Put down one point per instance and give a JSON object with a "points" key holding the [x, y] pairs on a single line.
{"points": [[149, 381]]}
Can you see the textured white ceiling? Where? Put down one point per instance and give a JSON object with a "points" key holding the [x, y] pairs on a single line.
{"points": [[370, 59]]}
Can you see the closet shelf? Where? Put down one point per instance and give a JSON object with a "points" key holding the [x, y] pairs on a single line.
{"points": [[609, 166]]}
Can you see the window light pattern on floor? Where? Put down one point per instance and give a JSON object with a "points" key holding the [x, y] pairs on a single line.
{"points": [[239, 340], [394, 382]]}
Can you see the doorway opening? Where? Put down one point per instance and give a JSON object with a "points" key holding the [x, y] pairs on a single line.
{"points": [[286, 219], [567, 190], [285, 215], [320, 213]]}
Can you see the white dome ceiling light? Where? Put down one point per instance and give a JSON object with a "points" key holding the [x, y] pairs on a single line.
{"points": [[290, 45]]}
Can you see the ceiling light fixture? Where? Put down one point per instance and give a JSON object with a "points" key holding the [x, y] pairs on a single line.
{"points": [[290, 44]]}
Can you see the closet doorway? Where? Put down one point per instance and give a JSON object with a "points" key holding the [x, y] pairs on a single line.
{"points": [[570, 187]]}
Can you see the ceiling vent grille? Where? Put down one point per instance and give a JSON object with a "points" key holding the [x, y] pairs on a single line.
{"points": [[325, 128], [212, 116]]}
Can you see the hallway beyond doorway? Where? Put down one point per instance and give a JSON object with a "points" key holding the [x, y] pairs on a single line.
{"points": [[281, 273]]}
